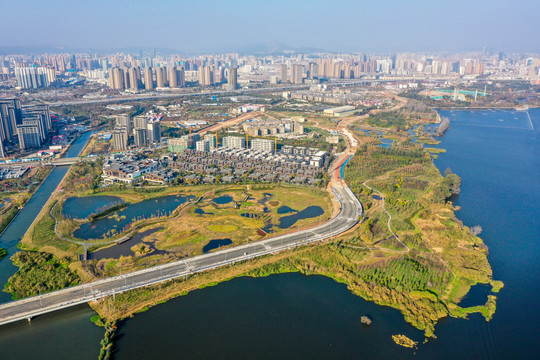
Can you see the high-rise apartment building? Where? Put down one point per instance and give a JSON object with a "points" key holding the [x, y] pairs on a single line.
{"points": [[140, 137], [212, 141], [234, 142], [42, 115], [297, 75], [232, 78], [29, 134], [117, 79], [181, 78], [119, 140], [10, 117], [139, 122], [153, 132], [283, 73], [203, 145], [134, 78], [148, 79], [206, 76], [262, 145], [32, 77], [173, 77], [124, 121], [185, 142], [313, 71], [160, 77]]}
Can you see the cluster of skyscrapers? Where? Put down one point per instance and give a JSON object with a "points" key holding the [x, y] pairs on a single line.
{"points": [[135, 78], [161, 77], [30, 124], [140, 130], [34, 77], [209, 142]]}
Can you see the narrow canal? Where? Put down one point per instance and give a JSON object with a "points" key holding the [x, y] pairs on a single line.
{"points": [[14, 232]]}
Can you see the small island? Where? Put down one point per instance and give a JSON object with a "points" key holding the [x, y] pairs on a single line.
{"points": [[404, 341], [365, 320]]}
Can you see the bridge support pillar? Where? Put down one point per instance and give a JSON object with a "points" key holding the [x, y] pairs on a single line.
{"points": [[29, 319]]}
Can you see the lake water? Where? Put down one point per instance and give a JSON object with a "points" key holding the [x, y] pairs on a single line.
{"points": [[221, 200], [216, 244], [83, 207], [286, 222], [294, 316], [145, 209], [285, 210]]}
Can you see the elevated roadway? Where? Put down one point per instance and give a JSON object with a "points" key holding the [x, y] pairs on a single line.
{"points": [[348, 216]]}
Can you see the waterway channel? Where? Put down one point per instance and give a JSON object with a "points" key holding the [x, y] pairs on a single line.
{"points": [[14, 232]]}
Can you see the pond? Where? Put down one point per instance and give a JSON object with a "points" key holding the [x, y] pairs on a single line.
{"points": [[386, 143], [376, 197], [83, 207], [121, 220], [200, 211], [264, 200], [216, 244], [309, 212], [225, 199], [285, 210]]}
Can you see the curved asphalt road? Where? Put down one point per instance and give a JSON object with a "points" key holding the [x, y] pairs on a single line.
{"points": [[350, 211]]}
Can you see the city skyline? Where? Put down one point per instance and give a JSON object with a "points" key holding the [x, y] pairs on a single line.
{"points": [[212, 26]]}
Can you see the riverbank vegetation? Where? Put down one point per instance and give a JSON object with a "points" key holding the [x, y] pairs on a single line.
{"points": [[38, 273], [16, 192], [83, 175], [404, 341], [424, 270]]}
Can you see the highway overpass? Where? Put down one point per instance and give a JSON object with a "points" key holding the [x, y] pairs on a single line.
{"points": [[349, 214]]}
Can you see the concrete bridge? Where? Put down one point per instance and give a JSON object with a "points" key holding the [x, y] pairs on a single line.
{"points": [[350, 211]]}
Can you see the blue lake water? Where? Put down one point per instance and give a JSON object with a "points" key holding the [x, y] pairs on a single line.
{"points": [[216, 244], [124, 249], [386, 143], [285, 210], [222, 200], [145, 209], [83, 207], [286, 222]]}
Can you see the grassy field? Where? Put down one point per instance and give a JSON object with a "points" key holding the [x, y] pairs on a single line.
{"points": [[184, 235], [187, 234], [96, 146]]}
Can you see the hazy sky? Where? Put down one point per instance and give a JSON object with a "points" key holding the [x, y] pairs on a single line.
{"points": [[221, 25]]}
